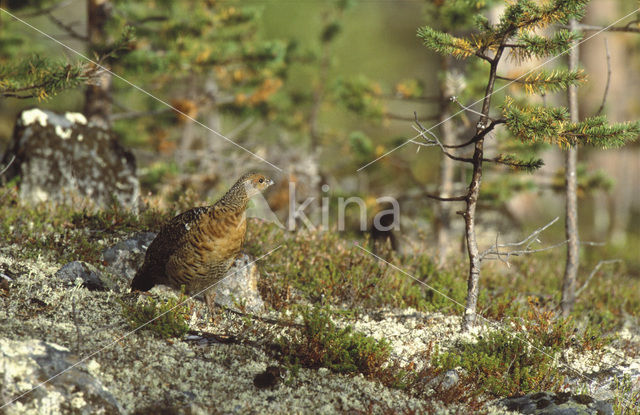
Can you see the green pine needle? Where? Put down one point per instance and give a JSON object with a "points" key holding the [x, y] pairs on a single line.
{"points": [[552, 125]]}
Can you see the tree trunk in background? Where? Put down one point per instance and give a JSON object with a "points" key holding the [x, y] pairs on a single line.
{"points": [[613, 209], [443, 223], [97, 101], [571, 191]]}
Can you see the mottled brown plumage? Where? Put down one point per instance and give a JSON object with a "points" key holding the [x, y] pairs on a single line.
{"points": [[197, 247]]}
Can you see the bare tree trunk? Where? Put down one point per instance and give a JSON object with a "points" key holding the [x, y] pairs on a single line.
{"points": [[443, 224], [469, 317], [470, 232], [571, 188], [97, 101]]}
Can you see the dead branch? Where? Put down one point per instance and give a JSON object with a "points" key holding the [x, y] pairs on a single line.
{"points": [[606, 87], [447, 199], [79, 339], [392, 116], [593, 273], [494, 252], [433, 142], [427, 98], [480, 135], [47, 10], [68, 28], [468, 109], [241, 127], [13, 157], [137, 114], [626, 28]]}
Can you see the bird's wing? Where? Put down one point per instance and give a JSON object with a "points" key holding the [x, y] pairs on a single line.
{"points": [[165, 244]]}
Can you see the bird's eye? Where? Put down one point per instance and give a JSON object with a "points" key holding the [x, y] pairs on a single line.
{"points": [[261, 180]]}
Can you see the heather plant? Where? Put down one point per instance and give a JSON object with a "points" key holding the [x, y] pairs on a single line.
{"points": [[320, 343]]}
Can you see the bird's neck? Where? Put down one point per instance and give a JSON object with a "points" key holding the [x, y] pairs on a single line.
{"points": [[235, 200]]}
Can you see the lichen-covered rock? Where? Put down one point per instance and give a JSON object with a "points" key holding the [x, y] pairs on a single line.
{"points": [[124, 258], [62, 158], [545, 403], [90, 276], [25, 365], [240, 286]]}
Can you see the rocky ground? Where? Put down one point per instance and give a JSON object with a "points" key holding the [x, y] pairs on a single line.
{"points": [[65, 347]]}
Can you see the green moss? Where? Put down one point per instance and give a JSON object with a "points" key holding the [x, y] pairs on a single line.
{"points": [[165, 318]]}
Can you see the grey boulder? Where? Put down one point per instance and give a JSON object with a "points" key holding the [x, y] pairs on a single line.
{"points": [[561, 403], [62, 158], [38, 377]]}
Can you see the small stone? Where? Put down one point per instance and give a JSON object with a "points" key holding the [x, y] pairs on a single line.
{"points": [[445, 380], [602, 408], [124, 258], [90, 276], [240, 286]]}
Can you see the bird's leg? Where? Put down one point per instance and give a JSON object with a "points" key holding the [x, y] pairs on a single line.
{"points": [[209, 299]]}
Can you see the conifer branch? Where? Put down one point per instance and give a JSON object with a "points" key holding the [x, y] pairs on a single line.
{"points": [[529, 166], [447, 44], [548, 81], [529, 45], [41, 78], [553, 125]]}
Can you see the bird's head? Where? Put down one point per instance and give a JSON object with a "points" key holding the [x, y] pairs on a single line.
{"points": [[255, 183]]}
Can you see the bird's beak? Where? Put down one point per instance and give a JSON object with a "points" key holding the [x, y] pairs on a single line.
{"points": [[270, 182]]}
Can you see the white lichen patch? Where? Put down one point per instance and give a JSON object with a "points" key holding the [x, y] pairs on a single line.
{"points": [[34, 115], [207, 377], [64, 133], [76, 117], [39, 195]]}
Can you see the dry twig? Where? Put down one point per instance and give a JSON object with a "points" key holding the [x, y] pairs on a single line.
{"points": [[606, 87], [494, 252], [13, 157], [593, 273]]}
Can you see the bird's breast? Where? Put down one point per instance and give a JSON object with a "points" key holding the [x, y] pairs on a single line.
{"points": [[222, 238]]}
